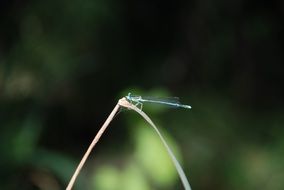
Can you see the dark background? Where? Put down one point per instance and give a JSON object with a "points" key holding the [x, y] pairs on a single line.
{"points": [[64, 65]]}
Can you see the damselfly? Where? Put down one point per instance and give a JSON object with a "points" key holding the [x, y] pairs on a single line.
{"points": [[139, 100]]}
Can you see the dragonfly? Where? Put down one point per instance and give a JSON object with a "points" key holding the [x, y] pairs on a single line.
{"points": [[139, 100]]}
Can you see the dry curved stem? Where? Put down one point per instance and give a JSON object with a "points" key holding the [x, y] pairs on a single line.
{"points": [[124, 103], [94, 142]]}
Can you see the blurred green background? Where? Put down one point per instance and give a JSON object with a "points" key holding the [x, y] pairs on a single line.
{"points": [[64, 65]]}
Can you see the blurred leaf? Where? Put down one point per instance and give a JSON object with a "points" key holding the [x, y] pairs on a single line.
{"points": [[153, 157], [108, 178]]}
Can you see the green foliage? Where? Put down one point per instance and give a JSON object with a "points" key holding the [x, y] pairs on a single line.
{"points": [[64, 65]]}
